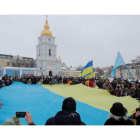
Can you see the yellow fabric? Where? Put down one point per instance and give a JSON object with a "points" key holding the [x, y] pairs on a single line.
{"points": [[86, 71], [98, 98], [90, 75]]}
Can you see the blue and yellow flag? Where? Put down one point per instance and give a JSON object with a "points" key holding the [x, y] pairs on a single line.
{"points": [[87, 69], [91, 75], [103, 76]]}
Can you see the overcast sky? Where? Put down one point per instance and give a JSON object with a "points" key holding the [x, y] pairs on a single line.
{"points": [[78, 38]]}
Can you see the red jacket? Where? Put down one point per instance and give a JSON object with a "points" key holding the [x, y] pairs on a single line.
{"points": [[91, 84]]}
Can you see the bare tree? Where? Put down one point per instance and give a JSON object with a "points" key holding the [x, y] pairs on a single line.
{"points": [[79, 68], [109, 71], [99, 71]]}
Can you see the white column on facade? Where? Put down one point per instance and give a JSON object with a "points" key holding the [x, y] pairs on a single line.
{"points": [[20, 71], [4, 71]]}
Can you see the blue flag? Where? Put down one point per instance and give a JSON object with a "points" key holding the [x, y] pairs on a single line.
{"points": [[119, 62]]}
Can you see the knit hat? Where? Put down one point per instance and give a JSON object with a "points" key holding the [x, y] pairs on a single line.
{"points": [[16, 120], [69, 104], [118, 109]]}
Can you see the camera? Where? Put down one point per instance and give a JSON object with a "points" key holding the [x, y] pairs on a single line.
{"points": [[20, 114]]}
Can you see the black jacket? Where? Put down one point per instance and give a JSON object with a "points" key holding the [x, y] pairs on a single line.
{"points": [[112, 121], [138, 120], [65, 118]]}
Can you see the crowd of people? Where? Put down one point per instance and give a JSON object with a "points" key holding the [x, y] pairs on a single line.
{"points": [[68, 114], [48, 80], [117, 87], [5, 81]]}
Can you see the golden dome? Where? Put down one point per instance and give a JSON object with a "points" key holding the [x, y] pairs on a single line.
{"points": [[46, 30], [59, 58]]}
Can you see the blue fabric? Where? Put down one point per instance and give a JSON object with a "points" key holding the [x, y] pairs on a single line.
{"points": [[119, 62], [42, 104]]}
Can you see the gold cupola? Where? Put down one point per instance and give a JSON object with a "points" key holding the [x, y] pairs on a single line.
{"points": [[46, 30], [59, 58]]}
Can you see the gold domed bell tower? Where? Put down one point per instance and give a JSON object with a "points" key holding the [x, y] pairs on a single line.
{"points": [[46, 53], [46, 30]]}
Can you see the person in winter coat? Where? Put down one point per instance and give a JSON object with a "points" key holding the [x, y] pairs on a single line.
{"points": [[130, 90], [138, 90], [118, 116], [1, 84], [29, 81], [14, 121], [136, 115], [1, 104], [114, 85], [87, 83], [118, 91], [109, 88], [67, 116], [122, 87], [91, 83]]}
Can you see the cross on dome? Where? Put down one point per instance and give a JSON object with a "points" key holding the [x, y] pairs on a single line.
{"points": [[46, 17]]}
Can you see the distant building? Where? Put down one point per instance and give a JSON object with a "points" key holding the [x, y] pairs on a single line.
{"points": [[106, 69], [19, 71], [134, 68], [45, 64], [68, 71], [15, 61]]}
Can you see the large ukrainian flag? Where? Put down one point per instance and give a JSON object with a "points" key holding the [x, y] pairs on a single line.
{"points": [[91, 75], [87, 69]]}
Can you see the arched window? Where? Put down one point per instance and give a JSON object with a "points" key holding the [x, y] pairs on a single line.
{"points": [[39, 52], [49, 52]]}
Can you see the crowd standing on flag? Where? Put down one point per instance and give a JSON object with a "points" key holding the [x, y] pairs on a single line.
{"points": [[116, 87]]}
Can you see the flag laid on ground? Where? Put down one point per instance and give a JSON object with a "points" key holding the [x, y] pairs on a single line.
{"points": [[119, 62], [87, 69], [91, 75]]}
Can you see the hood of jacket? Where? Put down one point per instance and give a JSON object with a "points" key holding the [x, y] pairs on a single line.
{"points": [[67, 118]]}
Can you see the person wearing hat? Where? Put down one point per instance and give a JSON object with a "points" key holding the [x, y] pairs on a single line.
{"points": [[136, 115], [67, 116], [87, 83], [14, 121], [118, 116]]}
